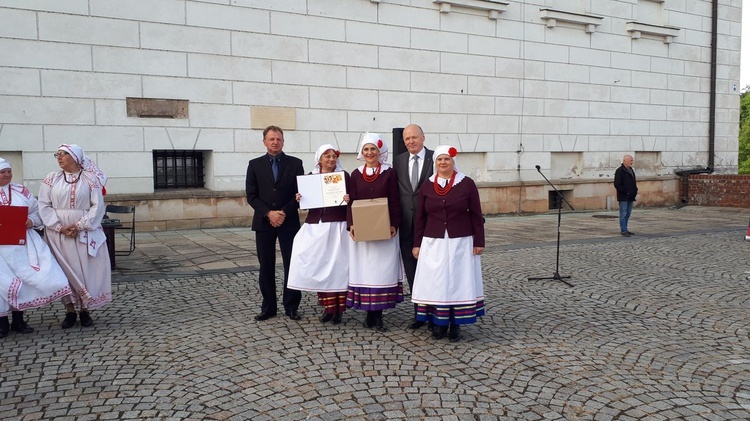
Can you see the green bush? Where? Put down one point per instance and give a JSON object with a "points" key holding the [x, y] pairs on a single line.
{"points": [[743, 160]]}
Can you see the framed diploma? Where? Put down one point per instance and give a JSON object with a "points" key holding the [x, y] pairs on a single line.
{"points": [[321, 190], [13, 225]]}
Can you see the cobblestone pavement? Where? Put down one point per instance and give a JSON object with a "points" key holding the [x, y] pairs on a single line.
{"points": [[655, 327]]}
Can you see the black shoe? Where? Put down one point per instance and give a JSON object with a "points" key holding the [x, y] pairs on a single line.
{"points": [[293, 315], [379, 326], [630, 232], [336, 318], [86, 320], [625, 234], [439, 332], [326, 317], [455, 333], [264, 316], [369, 320], [19, 324], [416, 324], [4, 326], [70, 320]]}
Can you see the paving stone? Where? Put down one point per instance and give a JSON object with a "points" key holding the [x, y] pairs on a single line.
{"points": [[655, 327]]}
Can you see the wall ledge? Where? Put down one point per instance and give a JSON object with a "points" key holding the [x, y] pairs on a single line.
{"points": [[636, 29], [173, 194], [566, 182], [493, 7], [552, 16]]}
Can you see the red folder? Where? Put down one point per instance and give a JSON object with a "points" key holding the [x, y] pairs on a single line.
{"points": [[13, 225]]}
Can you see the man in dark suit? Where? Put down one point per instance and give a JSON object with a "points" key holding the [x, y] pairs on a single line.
{"points": [[271, 185], [411, 172]]}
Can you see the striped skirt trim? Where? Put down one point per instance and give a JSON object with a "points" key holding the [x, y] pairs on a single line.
{"points": [[332, 302], [374, 298], [445, 315]]}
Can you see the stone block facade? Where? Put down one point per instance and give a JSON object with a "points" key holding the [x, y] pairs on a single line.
{"points": [[569, 86]]}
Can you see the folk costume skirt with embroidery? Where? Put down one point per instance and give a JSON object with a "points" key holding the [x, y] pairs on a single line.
{"points": [[448, 284], [29, 276], [320, 263], [84, 259], [375, 275]]}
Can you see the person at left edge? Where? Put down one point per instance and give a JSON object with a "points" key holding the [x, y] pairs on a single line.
{"points": [[271, 186], [29, 276]]}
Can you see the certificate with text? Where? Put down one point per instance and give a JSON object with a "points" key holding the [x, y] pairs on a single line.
{"points": [[321, 190]]}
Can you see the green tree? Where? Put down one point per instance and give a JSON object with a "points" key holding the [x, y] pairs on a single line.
{"points": [[743, 160]]}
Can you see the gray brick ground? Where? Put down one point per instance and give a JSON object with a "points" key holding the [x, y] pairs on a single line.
{"points": [[655, 327]]}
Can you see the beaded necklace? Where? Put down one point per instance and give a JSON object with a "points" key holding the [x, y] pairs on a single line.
{"points": [[442, 191], [374, 176], [75, 180]]}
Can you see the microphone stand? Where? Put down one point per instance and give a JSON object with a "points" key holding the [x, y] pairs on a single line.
{"points": [[556, 276]]}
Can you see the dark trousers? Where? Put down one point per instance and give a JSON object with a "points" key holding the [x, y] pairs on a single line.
{"points": [[265, 246], [410, 263]]}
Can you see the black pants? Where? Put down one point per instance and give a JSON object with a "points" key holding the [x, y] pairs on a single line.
{"points": [[410, 263], [265, 246]]}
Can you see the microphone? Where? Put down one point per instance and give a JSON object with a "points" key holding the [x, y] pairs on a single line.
{"points": [[538, 168]]}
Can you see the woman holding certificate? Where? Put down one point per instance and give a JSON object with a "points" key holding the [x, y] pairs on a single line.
{"points": [[375, 272], [29, 275], [71, 203], [448, 242], [320, 254]]}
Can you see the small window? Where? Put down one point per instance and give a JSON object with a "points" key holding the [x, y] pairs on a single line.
{"points": [[556, 202], [175, 169]]}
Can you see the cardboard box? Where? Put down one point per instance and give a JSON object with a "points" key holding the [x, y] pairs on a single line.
{"points": [[371, 220]]}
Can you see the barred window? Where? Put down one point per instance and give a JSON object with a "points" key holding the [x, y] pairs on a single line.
{"points": [[178, 169]]}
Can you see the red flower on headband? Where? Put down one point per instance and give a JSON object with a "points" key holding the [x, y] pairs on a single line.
{"points": [[452, 152], [338, 153], [380, 144]]}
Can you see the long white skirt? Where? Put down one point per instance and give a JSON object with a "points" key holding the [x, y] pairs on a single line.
{"points": [[320, 258], [29, 276], [90, 277], [375, 264], [448, 272]]}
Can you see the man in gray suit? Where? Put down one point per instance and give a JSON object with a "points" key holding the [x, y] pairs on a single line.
{"points": [[412, 169]]}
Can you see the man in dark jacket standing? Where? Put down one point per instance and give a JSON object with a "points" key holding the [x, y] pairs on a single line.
{"points": [[412, 167], [626, 192], [271, 186]]}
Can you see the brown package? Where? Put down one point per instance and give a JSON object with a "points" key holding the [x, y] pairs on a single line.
{"points": [[371, 220]]}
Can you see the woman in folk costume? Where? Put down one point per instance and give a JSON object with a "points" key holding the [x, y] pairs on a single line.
{"points": [[448, 243], [375, 272], [71, 203], [29, 275], [320, 254]]}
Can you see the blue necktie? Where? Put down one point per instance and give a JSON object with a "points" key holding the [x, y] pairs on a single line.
{"points": [[275, 168]]}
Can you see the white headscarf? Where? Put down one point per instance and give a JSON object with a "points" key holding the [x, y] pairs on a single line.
{"points": [[376, 140], [3, 165], [452, 152], [83, 161], [321, 150]]}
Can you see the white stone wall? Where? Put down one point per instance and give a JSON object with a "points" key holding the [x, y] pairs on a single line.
{"points": [[509, 91]]}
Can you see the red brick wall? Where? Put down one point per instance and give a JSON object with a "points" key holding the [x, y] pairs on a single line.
{"points": [[719, 190]]}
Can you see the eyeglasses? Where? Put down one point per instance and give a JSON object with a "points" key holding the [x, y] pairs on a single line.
{"points": [[61, 153]]}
